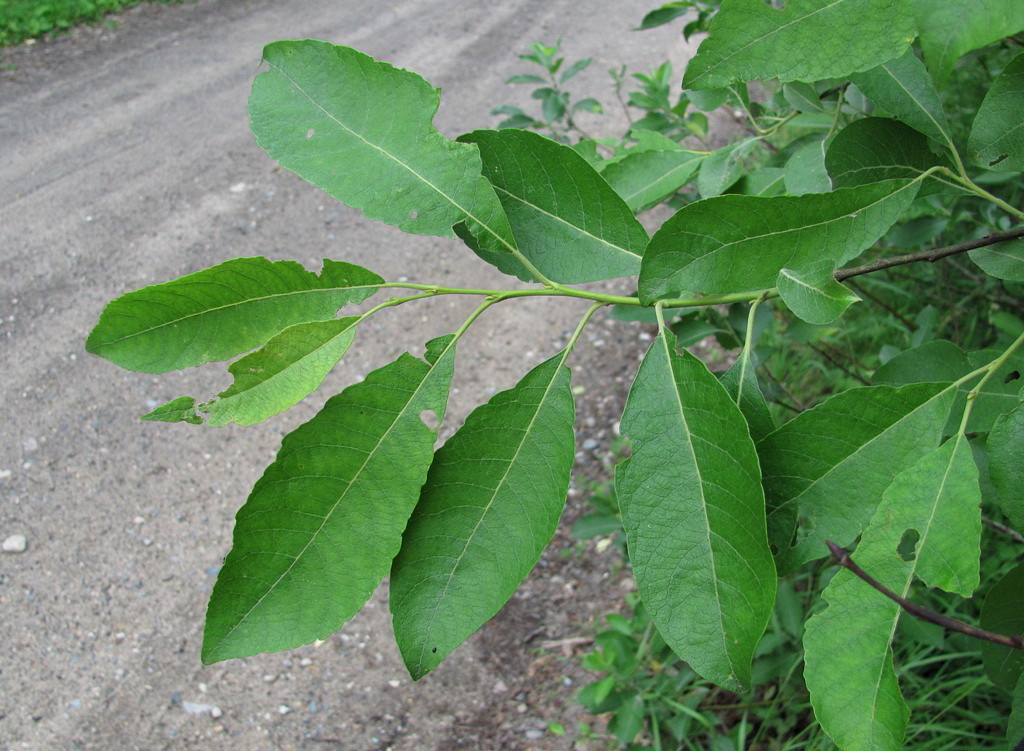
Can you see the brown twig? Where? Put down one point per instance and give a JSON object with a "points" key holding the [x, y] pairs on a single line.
{"points": [[930, 255], [859, 289], [1008, 531], [824, 353], [923, 613]]}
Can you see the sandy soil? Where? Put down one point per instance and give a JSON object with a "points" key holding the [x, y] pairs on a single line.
{"points": [[127, 160]]}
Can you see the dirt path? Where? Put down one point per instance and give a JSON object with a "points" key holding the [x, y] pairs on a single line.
{"points": [[127, 160]]}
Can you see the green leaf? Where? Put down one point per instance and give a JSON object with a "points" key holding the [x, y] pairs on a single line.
{"points": [[362, 131], [997, 135], [951, 28], [182, 409], [1015, 726], [1003, 613], [766, 181], [723, 167], [802, 97], [849, 670], [903, 88], [937, 360], [1003, 261], [735, 243], [740, 381], [564, 216], [645, 178], [320, 528], [573, 69], [709, 584], [282, 372], [490, 504], [827, 467], [526, 78], [805, 170], [808, 40], [1006, 463], [814, 298], [663, 15], [873, 149], [222, 311]]}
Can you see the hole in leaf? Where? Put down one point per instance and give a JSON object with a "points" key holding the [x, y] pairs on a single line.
{"points": [[773, 548], [1013, 375], [413, 214], [907, 548], [434, 649], [429, 418], [997, 160], [310, 132]]}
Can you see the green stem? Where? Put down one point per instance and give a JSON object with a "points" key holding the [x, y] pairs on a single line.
{"points": [[579, 330], [748, 340], [988, 370], [963, 181]]}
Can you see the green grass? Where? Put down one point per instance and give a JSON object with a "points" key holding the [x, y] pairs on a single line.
{"points": [[30, 19]]}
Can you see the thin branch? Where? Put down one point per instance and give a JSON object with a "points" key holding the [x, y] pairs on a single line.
{"points": [[923, 613], [853, 374], [884, 305], [1008, 531], [930, 255]]}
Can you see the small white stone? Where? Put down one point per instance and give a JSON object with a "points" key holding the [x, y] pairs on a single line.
{"points": [[237, 188], [15, 544], [394, 683], [305, 662], [500, 687], [4, 474], [284, 709], [216, 713]]}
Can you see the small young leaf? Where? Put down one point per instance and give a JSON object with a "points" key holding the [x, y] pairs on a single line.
{"points": [[1003, 261], [321, 526], [802, 97], [874, 149], [527, 78], [904, 89], [734, 243], [692, 508], [573, 69], [1003, 613], [1006, 463], [663, 15], [952, 28], [849, 669], [490, 504], [808, 40], [828, 466], [588, 105], [564, 216], [645, 178], [997, 135], [362, 131], [222, 311], [182, 409], [282, 372], [805, 170], [815, 298], [740, 381], [723, 167]]}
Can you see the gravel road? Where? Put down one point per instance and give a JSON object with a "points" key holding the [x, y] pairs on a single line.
{"points": [[126, 161]]}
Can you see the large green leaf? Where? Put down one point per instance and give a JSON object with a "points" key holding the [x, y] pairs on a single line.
{"points": [[997, 135], [808, 40], [1006, 463], [490, 504], [693, 512], [362, 131], [1003, 260], [805, 170], [644, 178], [734, 243], [1003, 613], [222, 311], [826, 468], [740, 381], [951, 28], [1015, 725], [903, 88], [564, 216], [847, 647], [873, 149], [320, 528]]}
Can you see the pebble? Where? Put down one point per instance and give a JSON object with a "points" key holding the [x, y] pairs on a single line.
{"points": [[216, 713], [30, 445], [4, 474], [283, 709], [521, 709], [194, 708], [394, 683], [500, 687], [590, 444], [15, 544], [534, 735]]}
